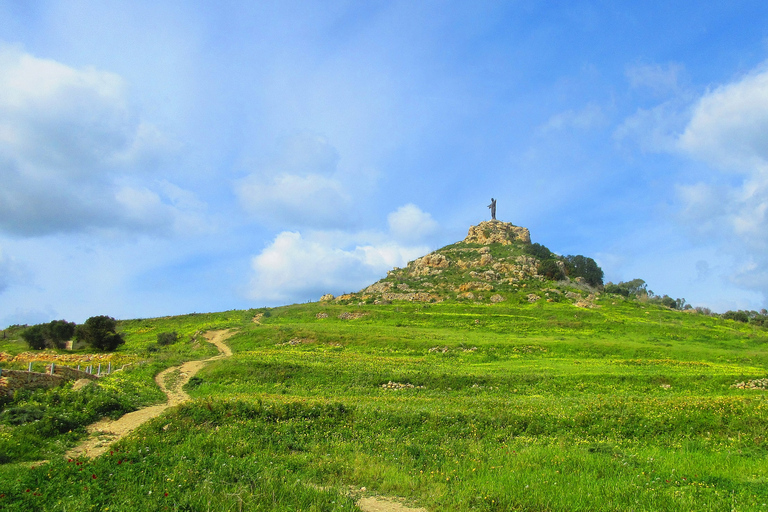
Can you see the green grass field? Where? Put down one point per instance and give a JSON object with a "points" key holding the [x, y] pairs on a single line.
{"points": [[452, 406]]}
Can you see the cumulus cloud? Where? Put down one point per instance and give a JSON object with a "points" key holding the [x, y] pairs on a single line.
{"points": [[69, 142], [303, 187], [297, 267], [654, 129], [728, 132], [294, 268], [729, 126], [408, 223]]}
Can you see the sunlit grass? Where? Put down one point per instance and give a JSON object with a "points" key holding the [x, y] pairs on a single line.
{"points": [[513, 407]]}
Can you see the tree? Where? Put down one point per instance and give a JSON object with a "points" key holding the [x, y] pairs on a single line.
{"points": [[59, 332], [668, 301], [551, 270], [54, 334], [739, 316], [35, 337], [581, 266], [100, 333], [539, 251]]}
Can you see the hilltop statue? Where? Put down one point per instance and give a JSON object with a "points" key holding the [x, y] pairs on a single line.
{"points": [[492, 206]]}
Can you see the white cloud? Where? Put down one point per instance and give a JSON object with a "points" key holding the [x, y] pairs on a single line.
{"points": [[296, 267], [728, 132], [312, 200], [654, 129], [304, 187], [729, 126], [408, 223], [68, 142]]}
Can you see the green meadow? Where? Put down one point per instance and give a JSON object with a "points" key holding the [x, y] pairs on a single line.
{"points": [[452, 405]]}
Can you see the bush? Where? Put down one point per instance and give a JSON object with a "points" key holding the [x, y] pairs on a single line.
{"points": [[539, 251], [35, 337], [59, 332], [100, 333], [167, 338], [668, 302], [551, 270], [739, 316], [54, 334], [581, 266]]}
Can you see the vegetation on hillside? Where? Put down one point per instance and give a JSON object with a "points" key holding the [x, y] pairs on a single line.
{"points": [[453, 405], [495, 377]]}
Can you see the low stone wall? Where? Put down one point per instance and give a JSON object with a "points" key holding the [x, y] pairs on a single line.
{"points": [[11, 380], [70, 373]]}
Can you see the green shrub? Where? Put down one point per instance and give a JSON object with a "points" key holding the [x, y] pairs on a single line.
{"points": [[739, 316], [100, 333], [539, 251], [167, 338], [551, 270], [581, 266], [54, 334], [35, 337]]}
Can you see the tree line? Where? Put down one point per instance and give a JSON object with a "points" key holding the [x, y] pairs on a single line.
{"points": [[98, 332], [557, 268]]}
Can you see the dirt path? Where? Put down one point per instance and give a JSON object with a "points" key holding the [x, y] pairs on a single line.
{"points": [[171, 380], [382, 504]]}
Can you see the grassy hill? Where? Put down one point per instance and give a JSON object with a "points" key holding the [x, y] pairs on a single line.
{"points": [[575, 400]]}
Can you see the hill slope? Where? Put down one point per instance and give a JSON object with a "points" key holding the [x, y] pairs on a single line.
{"points": [[494, 263], [448, 401]]}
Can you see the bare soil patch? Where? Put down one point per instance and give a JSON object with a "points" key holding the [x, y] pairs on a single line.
{"points": [[382, 504]]}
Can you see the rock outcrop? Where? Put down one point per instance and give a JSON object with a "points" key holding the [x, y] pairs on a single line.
{"points": [[497, 232], [495, 263]]}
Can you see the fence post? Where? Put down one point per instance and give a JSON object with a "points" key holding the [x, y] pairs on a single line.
{"points": [[29, 368], [52, 368], [98, 372], [109, 368]]}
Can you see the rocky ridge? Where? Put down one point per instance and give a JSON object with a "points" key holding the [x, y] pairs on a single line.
{"points": [[492, 264]]}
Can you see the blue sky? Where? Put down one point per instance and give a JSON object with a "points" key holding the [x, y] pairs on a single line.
{"points": [[162, 158]]}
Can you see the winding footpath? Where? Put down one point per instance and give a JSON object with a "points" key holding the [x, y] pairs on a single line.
{"points": [[105, 432]]}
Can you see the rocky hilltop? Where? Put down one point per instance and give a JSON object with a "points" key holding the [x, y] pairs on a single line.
{"points": [[496, 262], [497, 232]]}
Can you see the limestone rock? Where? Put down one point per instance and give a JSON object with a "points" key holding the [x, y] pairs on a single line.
{"points": [[327, 298], [428, 265], [465, 287], [378, 287], [497, 298], [494, 231], [412, 297]]}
